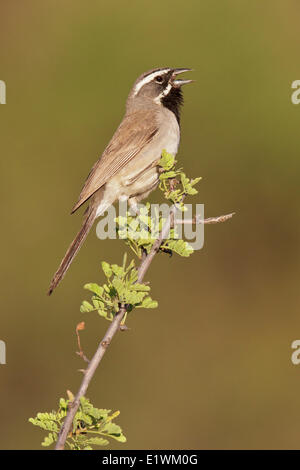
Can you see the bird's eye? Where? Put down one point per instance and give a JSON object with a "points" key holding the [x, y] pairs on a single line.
{"points": [[159, 79]]}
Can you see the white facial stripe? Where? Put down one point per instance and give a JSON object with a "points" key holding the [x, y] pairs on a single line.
{"points": [[163, 93], [148, 79], [166, 90]]}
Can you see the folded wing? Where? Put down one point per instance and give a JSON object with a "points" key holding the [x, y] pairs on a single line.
{"points": [[133, 134]]}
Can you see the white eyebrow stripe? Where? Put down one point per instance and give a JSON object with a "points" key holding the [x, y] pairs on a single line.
{"points": [[148, 79]]}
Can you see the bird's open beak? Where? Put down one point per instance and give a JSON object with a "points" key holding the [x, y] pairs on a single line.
{"points": [[178, 83]]}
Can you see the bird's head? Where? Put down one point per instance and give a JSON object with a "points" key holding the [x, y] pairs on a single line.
{"points": [[160, 87]]}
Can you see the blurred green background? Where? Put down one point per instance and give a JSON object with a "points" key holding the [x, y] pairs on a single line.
{"points": [[210, 368]]}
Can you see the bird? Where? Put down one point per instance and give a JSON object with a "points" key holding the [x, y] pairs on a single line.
{"points": [[128, 168]]}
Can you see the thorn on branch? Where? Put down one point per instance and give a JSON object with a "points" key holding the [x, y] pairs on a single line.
{"points": [[124, 328], [105, 343]]}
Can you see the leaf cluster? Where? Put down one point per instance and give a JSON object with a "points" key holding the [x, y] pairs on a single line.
{"points": [[91, 425], [142, 230], [121, 289], [173, 182]]}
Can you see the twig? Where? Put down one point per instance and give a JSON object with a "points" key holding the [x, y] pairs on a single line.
{"points": [[211, 220], [80, 353], [111, 331]]}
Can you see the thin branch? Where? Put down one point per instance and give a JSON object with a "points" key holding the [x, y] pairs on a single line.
{"points": [[112, 330], [88, 374], [211, 220]]}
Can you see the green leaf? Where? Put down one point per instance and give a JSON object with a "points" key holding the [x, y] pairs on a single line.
{"points": [[111, 428], [98, 304], [106, 269], [140, 287], [167, 160], [86, 307], [117, 270], [149, 303], [63, 403], [102, 313], [180, 247], [168, 174], [95, 288], [48, 440], [98, 441], [195, 181], [118, 284]]}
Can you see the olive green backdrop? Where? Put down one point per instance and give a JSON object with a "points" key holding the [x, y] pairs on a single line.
{"points": [[210, 368]]}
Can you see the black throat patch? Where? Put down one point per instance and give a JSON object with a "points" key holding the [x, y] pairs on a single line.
{"points": [[173, 101]]}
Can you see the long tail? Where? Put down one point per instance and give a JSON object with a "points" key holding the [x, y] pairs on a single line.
{"points": [[73, 250]]}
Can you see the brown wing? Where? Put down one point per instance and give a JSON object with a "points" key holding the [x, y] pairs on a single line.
{"points": [[135, 131]]}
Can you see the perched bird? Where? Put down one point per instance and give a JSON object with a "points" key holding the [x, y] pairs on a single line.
{"points": [[128, 167]]}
